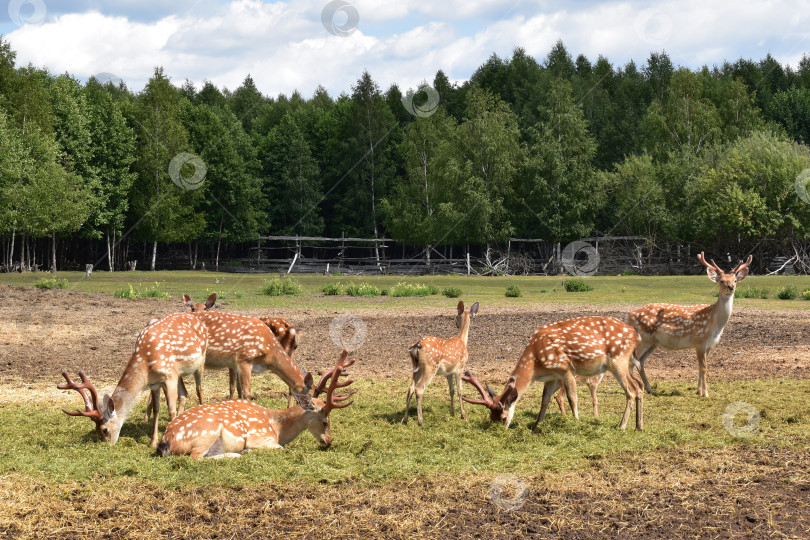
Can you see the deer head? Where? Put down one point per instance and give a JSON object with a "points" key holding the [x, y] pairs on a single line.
{"points": [[501, 407], [108, 425], [200, 306], [460, 316], [728, 282]]}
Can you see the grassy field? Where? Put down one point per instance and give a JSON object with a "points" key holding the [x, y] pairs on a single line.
{"points": [[243, 290]]}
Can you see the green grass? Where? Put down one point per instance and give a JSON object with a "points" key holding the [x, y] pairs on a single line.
{"points": [[51, 283], [149, 291], [371, 445], [577, 285], [243, 292], [281, 287]]}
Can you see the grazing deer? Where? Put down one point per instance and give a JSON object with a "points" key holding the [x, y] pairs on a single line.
{"points": [[436, 356], [229, 428], [556, 354], [688, 327], [165, 351]]}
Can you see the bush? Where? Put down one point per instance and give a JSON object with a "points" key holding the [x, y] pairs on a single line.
{"points": [[788, 292], [806, 294], [754, 292], [513, 291], [51, 283], [630, 273], [385, 292], [362, 289], [434, 290], [452, 292], [281, 287], [332, 289], [413, 289], [148, 292], [577, 285]]}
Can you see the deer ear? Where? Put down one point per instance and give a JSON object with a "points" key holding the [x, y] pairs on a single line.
{"points": [[296, 340], [211, 301], [188, 301], [742, 274], [474, 309], [713, 275], [460, 307], [305, 402], [109, 407], [307, 382]]}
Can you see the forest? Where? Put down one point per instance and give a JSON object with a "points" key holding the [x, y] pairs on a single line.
{"points": [[557, 148]]}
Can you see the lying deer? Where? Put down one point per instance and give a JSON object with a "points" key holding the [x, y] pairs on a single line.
{"points": [[556, 354], [229, 428], [165, 351], [688, 327], [433, 356]]}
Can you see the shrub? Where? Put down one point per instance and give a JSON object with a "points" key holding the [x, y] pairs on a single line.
{"points": [[630, 273], [51, 283], [806, 294], [788, 292], [332, 289], [513, 291], [452, 292], [412, 289], [362, 289], [133, 293], [434, 290], [281, 287], [754, 292], [577, 285], [385, 292]]}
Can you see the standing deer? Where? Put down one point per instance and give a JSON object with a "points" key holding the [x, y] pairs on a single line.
{"points": [[432, 356], [229, 428], [556, 354], [593, 384], [165, 351], [688, 327]]}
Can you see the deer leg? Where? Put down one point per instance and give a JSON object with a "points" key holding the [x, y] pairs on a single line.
{"points": [[423, 383], [548, 390], [593, 384], [460, 401], [408, 399], [232, 382], [621, 371], [182, 396], [642, 358], [198, 383], [154, 397], [452, 394], [559, 397], [702, 390], [244, 378]]}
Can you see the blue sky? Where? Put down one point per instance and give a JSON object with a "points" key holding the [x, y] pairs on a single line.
{"points": [[287, 45]]}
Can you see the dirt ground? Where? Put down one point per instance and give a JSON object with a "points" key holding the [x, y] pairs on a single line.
{"points": [[43, 332], [729, 492]]}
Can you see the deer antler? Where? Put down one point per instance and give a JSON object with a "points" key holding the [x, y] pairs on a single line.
{"points": [[93, 411], [743, 265], [470, 378], [713, 266], [332, 401]]}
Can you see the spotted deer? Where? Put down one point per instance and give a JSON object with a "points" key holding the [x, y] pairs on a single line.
{"points": [[165, 351], [698, 327], [230, 428], [556, 354], [433, 356], [593, 384]]}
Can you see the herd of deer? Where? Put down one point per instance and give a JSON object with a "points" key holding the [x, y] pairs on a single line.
{"points": [[557, 354]]}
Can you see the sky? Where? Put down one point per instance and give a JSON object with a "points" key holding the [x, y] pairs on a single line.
{"points": [[300, 44]]}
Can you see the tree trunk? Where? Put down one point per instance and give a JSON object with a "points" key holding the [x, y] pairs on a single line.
{"points": [[53, 252], [11, 250], [109, 252], [22, 253], [219, 241], [154, 255]]}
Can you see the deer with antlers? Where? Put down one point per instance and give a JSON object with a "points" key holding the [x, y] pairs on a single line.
{"points": [[433, 356], [228, 428], [698, 327], [165, 351], [556, 354]]}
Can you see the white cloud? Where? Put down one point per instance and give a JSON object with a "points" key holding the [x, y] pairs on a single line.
{"points": [[284, 46]]}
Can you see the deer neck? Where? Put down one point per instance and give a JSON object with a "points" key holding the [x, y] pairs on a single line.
{"points": [[465, 328], [721, 311], [130, 387], [288, 423]]}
